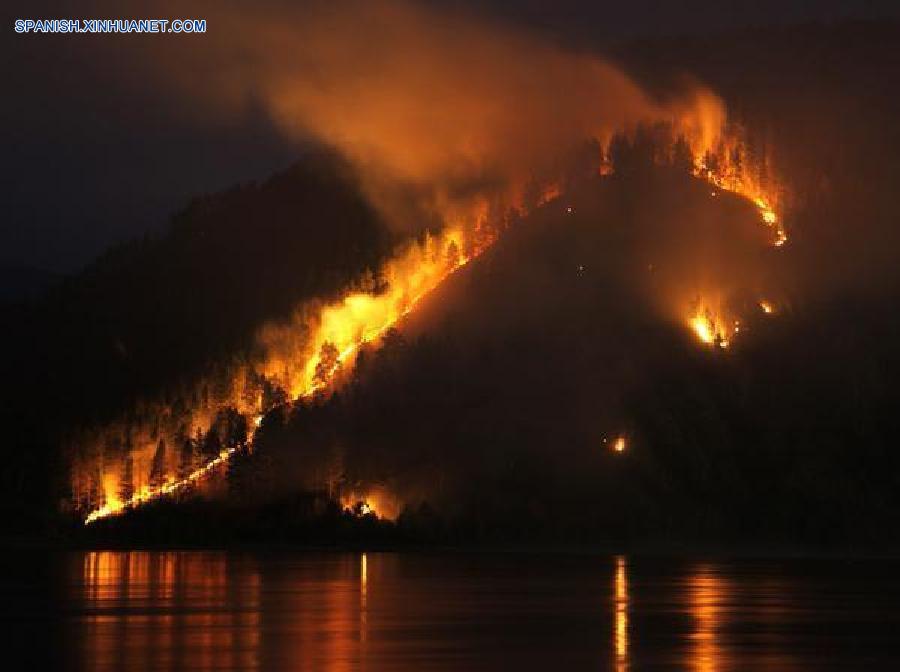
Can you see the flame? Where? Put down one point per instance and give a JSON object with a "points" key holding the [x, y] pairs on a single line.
{"points": [[338, 332], [723, 157], [551, 192], [727, 165], [711, 327], [147, 493], [376, 501], [619, 444], [719, 170], [343, 327]]}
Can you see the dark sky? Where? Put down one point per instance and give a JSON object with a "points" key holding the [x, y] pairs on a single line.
{"points": [[91, 157]]}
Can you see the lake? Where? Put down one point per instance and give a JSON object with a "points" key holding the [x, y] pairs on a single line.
{"points": [[448, 611]]}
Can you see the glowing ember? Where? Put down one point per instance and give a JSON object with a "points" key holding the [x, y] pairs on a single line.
{"points": [[767, 307], [619, 444]]}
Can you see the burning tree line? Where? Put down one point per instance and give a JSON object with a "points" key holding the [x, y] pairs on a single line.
{"points": [[736, 161], [165, 447]]}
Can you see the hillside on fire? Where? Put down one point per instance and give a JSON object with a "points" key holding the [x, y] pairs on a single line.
{"points": [[152, 315], [622, 298], [539, 396]]}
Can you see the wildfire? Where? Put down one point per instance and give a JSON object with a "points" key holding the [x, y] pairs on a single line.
{"points": [[725, 177], [362, 317], [338, 332], [148, 493], [307, 354], [376, 501], [710, 328], [727, 165]]}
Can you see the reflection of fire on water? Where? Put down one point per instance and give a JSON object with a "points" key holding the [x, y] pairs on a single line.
{"points": [[136, 599], [620, 634], [363, 597], [706, 599]]}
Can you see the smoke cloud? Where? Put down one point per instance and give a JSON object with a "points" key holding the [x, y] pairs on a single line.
{"points": [[426, 102]]}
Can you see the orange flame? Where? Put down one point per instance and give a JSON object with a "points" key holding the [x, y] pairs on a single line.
{"points": [[337, 333]]}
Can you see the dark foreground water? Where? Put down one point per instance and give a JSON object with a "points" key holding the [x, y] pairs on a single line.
{"points": [[456, 611]]}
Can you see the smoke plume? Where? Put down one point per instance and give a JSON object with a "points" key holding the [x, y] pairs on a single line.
{"points": [[427, 103]]}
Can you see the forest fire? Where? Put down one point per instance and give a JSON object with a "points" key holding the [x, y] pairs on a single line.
{"points": [[730, 166], [164, 448], [148, 493], [708, 331], [361, 317], [719, 170], [339, 331], [306, 356], [376, 501], [710, 327]]}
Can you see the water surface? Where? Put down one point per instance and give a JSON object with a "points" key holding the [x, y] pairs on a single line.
{"points": [[456, 611]]}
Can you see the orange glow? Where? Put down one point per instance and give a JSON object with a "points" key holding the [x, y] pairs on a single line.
{"points": [[620, 634], [363, 598], [707, 597], [340, 329], [226, 638], [726, 176], [551, 192], [115, 506], [306, 355], [713, 326], [722, 157], [433, 121], [131, 462], [376, 501], [710, 327]]}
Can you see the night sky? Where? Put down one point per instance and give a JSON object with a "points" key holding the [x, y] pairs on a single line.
{"points": [[93, 156]]}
